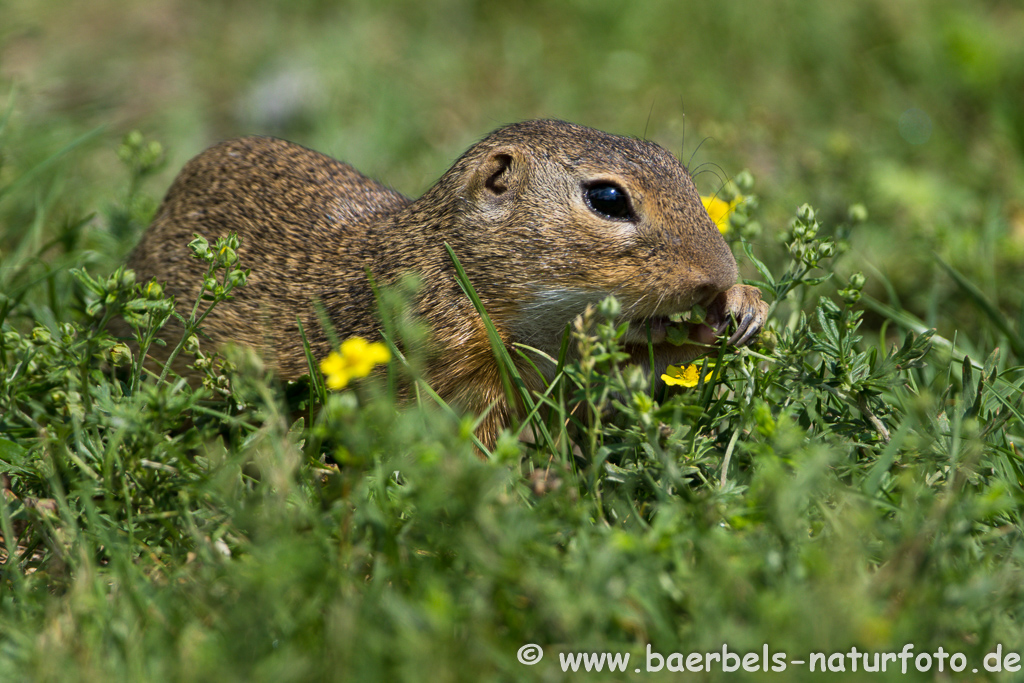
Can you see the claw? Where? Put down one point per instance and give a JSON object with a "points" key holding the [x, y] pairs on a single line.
{"points": [[747, 336], [743, 330], [743, 305]]}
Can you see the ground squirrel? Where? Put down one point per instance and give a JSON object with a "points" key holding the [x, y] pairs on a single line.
{"points": [[545, 216]]}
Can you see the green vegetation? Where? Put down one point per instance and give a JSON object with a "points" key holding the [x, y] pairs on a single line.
{"points": [[855, 480]]}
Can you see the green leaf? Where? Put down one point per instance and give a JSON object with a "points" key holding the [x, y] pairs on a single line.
{"points": [[677, 335], [761, 267], [873, 481], [826, 313], [967, 380], [88, 281], [13, 458]]}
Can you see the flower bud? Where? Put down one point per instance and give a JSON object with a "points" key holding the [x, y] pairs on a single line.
{"points": [[237, 277], [858, 213], [609, 308], [200, 248], [849, 296], [744, 181], [120, 354], [227, 255], [153, 153]]}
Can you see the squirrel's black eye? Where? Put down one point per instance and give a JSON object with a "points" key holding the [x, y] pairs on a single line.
{"points": [[609, 200]]}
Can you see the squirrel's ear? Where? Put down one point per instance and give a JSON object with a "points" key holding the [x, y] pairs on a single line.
{"points": [[498, 174], [496, 169]]}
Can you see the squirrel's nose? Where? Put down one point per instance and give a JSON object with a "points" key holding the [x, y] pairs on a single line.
{"points": [[716, 280]]}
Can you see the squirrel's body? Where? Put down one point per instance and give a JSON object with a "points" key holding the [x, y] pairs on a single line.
{"points": [[527, 211]]}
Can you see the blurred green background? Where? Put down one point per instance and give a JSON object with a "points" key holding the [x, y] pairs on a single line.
{"points": [[913, 108]]}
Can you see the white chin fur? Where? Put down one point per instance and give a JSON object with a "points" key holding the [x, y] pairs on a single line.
{"points": [[542, 321]]}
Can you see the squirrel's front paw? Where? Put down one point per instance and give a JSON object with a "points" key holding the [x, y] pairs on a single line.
{"points": [[743, 305]]}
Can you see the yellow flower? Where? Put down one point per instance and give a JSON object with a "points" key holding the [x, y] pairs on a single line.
{"points": [[720, 210], [356, 358], [688, 376]]}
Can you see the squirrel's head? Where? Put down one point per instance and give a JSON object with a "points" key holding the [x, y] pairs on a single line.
{"points": [[553, 216]]}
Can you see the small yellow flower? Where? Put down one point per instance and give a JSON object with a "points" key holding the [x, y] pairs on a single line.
{"points": [[688, 376], [356, 358], [720, 210]]}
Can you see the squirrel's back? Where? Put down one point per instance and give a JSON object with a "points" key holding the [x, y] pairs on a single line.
{"points": [[306, 223]]}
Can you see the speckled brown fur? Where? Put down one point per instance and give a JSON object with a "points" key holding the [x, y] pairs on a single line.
{"points": [[513, 208]]}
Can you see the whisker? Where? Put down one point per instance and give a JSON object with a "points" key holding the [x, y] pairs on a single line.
{"points": [[712, 172], [682, 148], [647, 125], [696, 150]]}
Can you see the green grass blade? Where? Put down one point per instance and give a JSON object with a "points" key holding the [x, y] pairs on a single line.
{"points": [[316, 378], [505, 364], [49, 161], [512, 381], [10, 110], [988, 308]]}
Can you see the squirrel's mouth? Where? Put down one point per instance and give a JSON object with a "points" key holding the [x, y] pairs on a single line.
{"points": [[684, 331], [662, 331], [670, 342]]}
